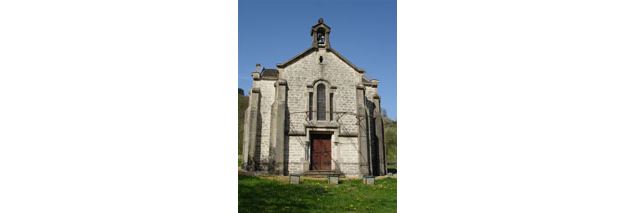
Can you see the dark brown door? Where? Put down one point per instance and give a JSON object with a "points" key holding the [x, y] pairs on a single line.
{"points": [[321, 152]]}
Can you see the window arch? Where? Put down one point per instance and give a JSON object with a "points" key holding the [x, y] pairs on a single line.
{"points": [[321, 102]]}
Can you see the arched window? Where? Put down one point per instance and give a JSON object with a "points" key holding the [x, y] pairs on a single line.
{"points": [[321, 102]]}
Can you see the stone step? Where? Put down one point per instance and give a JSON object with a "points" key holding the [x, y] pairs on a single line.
{"points": [[318, 173]]}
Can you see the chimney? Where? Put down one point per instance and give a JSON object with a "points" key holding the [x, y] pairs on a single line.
{"points": [[374, 82], [256, 73]]}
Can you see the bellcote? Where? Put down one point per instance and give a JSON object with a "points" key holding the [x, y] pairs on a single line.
{"points": [[320, 34]]}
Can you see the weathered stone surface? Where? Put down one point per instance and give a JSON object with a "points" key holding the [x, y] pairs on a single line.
{"points": [[370, 180], [278, 114], [251, 124], [294, 179], [334, 180], [379, 137]]}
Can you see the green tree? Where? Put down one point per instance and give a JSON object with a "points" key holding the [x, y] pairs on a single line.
{"points": [[390, 139]]}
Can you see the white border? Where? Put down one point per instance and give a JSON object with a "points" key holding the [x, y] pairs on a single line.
{"points": [[118, 106], [516, 106]]}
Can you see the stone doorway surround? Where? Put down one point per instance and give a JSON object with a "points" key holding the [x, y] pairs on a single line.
{"points": [[326, 128]]}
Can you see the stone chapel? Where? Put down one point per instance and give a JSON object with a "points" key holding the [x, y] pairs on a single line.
{"points": [[316, 113]]}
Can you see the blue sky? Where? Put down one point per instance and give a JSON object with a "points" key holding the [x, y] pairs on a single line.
{"points": [[273, 31]]}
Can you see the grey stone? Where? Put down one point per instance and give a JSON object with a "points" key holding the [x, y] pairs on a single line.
{"points": [[370, 180], [334, 179], [294, 179]]}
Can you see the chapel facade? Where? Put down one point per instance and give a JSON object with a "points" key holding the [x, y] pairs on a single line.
{"points": [[316, 112]]}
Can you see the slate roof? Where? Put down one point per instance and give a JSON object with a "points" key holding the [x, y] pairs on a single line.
{"points": [[269, 73]]}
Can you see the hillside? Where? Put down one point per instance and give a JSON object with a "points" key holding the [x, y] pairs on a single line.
{"points": [[390, 138]]}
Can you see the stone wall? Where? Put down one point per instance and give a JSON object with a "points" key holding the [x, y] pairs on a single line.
{"points": [[347, 155], [343, 80], [297, 154], [308, 69]]}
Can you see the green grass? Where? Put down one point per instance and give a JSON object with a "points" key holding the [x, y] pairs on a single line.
{"points": [[257, 194]]}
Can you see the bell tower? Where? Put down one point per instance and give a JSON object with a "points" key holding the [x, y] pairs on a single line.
{"points": [[320, 34]]}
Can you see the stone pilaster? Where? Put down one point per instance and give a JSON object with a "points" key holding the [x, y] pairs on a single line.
{"points": [[278, 124], [246, 134], [379, 133], [254, 108], [362, 126]]}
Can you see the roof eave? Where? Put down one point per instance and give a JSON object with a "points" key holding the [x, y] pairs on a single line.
{"points": [[345, 60], [295, 58]]}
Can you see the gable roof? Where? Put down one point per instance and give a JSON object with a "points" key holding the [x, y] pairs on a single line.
{"points": [[313, 49]]}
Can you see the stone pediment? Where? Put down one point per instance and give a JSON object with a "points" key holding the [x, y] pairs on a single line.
{"points": [[314, 49]]}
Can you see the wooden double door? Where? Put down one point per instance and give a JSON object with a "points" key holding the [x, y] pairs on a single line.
{"points": [[320, 152]]}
